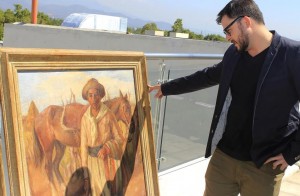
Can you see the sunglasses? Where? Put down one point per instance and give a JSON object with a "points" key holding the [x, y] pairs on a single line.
{"points": [[225, 30]]}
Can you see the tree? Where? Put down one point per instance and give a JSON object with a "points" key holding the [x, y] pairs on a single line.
{"points": [[22, 15], [214, 37], [9, 16], [132, 30], [178, 26], [56, 21], [43, 18], [193, 35], [2, 19], [18, 12], [1, 32], [138, 31], [149, 26]]}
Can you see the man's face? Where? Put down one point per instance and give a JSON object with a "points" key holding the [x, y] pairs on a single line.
{"points": [[242, 43], [94, 98], [235, 33]]}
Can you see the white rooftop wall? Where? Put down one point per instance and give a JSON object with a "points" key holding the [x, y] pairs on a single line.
{"points": [[96, 21]]}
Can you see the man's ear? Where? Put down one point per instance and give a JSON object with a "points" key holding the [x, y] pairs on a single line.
{"points": [[247, 21]]}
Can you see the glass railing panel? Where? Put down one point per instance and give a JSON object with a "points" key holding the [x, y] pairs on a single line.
{"points": [[187, 117]]}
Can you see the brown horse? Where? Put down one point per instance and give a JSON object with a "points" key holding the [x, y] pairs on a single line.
{"points": [[59, 126]]}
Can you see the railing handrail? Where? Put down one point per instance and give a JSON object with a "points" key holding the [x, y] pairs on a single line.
{"points": [[182, 56]]}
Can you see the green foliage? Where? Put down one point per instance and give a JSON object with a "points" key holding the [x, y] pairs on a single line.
{"points": [[214, 37], [1, 32], [149, 26], [131, 30], [138, 30], [43, 18], [193, 35], [1, 17], [1, 23], [9, 16], [178, 26], [23, 15]]}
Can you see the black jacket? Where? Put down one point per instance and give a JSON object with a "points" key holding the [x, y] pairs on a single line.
{"points": [[276, 116]]}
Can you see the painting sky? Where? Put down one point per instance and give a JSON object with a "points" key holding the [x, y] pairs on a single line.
{"points": [[54, 88]]}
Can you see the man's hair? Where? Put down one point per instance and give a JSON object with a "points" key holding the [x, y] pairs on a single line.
{"points": [[236, 8]]}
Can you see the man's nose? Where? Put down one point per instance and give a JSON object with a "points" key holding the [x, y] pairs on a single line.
{"points": [[94, 97]]}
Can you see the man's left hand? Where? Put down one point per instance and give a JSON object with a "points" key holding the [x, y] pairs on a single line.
{"points": [[278, 161]]}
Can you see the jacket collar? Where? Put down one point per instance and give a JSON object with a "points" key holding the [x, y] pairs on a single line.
{"points": [[273, 50], [276, 40]]}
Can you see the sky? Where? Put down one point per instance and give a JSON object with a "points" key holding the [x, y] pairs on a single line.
{"points": [[197, 15], [279, 15]]}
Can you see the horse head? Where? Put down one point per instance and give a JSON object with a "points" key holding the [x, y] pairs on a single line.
{"points": [[121, 107], [125, 109]]}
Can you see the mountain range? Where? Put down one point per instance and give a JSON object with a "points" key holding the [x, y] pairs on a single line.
{"points": [[62, 11]]}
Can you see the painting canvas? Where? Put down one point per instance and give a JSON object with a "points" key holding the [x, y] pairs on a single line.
{"points": [[77, 123]]}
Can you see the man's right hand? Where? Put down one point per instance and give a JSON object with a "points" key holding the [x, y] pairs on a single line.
{"points": [[157, 87]]}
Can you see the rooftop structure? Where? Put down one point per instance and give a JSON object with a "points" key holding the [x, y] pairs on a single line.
{"points": [[96, 21]]}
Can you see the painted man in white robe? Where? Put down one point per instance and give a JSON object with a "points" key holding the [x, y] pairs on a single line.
{"points": [[101, 143]]}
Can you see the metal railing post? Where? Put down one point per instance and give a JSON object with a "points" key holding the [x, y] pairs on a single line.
{"points": [[159, 115]]}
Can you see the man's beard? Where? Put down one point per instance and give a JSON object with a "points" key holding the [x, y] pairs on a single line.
{"points": [[243, 42]]}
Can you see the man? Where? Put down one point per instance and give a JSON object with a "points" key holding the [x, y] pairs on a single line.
{"points": [[255, 132], [101, 143]]}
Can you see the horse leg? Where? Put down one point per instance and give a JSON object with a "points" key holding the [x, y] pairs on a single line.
{"points": [[48, 162], [60, 150]]}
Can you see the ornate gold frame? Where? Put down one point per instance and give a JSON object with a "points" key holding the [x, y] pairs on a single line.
{"points": [[15, 61]]}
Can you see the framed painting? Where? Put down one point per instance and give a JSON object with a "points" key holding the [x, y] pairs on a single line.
{"points": [[76, 123]]}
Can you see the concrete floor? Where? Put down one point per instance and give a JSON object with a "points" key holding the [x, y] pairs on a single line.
{"points": [[291, 185]]}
